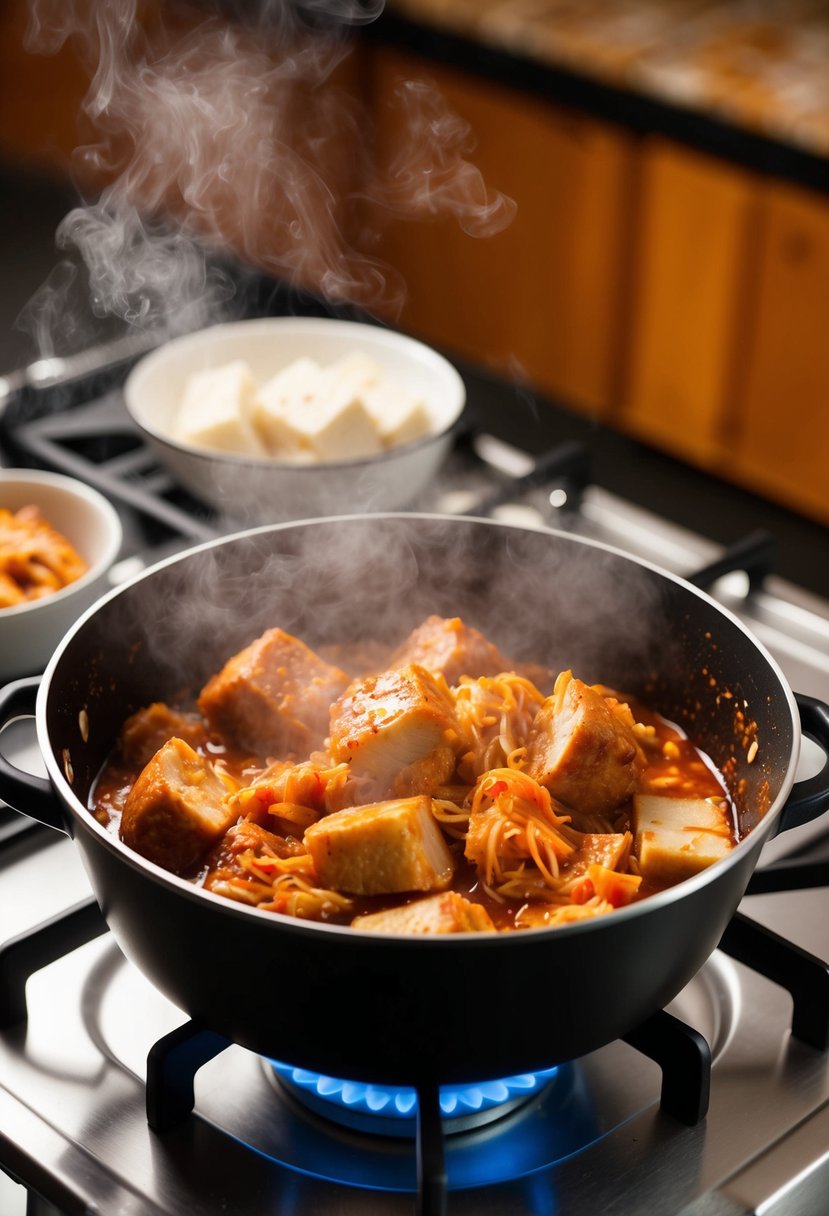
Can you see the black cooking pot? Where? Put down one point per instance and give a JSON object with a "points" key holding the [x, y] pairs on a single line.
{"points": [[399, 1009]]}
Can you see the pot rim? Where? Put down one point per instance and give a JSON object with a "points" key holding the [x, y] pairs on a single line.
{"points": [[751, 842]]}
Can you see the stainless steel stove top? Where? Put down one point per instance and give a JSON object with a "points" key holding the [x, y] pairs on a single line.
{"points": [[72, 1100], [73, 1123]]}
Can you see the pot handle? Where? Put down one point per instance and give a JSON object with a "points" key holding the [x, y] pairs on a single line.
{"points": [[24, 792], [809, 798]]}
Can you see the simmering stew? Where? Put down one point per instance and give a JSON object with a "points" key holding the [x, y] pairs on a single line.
{"points": [[439, 788]]}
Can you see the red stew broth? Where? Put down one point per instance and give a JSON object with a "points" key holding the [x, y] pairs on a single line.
{"points": [[679, 769]]}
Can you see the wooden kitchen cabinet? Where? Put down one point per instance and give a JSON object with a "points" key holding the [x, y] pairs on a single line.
{"points": [[781, 430], [540, 301], [696, 233], [41, 120]]}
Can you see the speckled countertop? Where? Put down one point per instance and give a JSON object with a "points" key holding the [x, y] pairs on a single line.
{"points": [[758, 64]]}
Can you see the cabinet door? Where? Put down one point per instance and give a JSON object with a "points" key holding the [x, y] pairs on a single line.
{"points": [[696, 230], [540, 300], [781, 439], [41, 123]]}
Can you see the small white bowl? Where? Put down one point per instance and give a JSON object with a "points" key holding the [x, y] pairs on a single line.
{"points": [[264, 490], [30, 632]]}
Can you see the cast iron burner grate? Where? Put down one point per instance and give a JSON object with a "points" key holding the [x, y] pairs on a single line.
{"points": [[681, 1052]]}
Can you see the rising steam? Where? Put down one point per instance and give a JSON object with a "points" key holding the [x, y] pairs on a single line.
{"points": [[217, 134]]}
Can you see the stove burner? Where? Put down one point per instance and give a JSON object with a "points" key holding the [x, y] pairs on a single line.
{"points": [[553, 1122], [392, 1110]]}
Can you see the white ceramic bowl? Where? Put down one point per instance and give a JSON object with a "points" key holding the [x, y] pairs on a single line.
{"points": [[267, 490], [30, 632]]}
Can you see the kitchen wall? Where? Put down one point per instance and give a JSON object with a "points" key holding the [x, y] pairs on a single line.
{"points": [[665, 285]]}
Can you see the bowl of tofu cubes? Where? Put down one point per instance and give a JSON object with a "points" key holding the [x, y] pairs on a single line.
{"points": [[297, 417]]}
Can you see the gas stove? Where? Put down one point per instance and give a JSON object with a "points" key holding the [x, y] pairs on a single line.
{"points": [[112, 1102]]}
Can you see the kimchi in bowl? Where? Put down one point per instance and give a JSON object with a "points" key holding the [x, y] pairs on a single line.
{"points": [[59, 540]]}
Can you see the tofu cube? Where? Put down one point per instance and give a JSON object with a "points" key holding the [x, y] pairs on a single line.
{"points": [[177, 809], [216, 411], [381, 849], [399, 728], [400, 415], [277, 403], [337, 426], [586, 755], [307, 411], [677, 837], [273, 697], [446, 913], [356, 372]]}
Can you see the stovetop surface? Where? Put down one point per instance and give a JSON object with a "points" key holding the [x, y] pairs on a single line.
{"points": [[72, 1100], [72, 1107]]}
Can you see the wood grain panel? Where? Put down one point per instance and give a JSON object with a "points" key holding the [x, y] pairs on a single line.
{"points": [[696, 231], [541, 299], [781, 432]]}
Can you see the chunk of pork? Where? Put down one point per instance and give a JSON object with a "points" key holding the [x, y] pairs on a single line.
{"points": [[273, 697], [145, 731], [398, 728], [446, 647], [583, 749], [177, 809]]}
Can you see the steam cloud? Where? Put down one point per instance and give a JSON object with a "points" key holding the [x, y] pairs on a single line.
{"points": [[214, 134]]}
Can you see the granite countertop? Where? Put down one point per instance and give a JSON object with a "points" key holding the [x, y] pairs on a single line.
{"points": [[760, 65]]}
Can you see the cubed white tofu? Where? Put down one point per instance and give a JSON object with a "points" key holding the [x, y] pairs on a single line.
{"points": [[216, 409], [445, 913], [381, 849], [277, 403], [337, 426], [400, 415], [678, 837], [330, 423], [357, 372]]}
